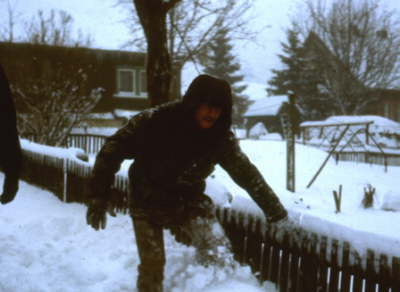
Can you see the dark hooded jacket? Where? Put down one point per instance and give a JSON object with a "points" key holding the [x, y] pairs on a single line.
{"points": [[10, 149], [173, 156]]}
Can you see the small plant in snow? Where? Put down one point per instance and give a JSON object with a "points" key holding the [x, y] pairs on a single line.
{"points": [[368, 200], [338, 199]]}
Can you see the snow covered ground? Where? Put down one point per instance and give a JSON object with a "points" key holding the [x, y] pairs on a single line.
{"points": [[315, 207], [47, 246]]}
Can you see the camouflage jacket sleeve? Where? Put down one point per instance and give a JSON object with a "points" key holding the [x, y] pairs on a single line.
{"points": [[118, 147], [247, 176]]}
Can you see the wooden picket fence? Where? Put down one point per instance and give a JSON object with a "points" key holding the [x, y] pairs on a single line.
{"points": [[92, 144], [296, 260], [302, 261], [89, 143], [369, 157]]}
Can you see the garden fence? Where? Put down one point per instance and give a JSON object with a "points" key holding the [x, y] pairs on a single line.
{"points": [[92, 144], [296, 260]]}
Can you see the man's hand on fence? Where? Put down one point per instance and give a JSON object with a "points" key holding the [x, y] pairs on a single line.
{"points": [[10, 189], [96, 214]]}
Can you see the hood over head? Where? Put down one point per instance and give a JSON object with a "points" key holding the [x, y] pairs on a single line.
{"points": [[212, 91]]}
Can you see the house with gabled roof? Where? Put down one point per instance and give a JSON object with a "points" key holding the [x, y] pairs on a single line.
{"points": [[386, 101], [267, 111], [121, 75]]}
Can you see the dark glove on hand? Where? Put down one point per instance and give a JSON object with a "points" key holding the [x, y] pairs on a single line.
{"points": [[10, 189], [96, 214]]}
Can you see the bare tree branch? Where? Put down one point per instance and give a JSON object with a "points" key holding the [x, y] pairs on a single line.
{"points": [[192, 24], [362, 49]]}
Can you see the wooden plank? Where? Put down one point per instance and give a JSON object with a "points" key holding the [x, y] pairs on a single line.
{"points": [[275, 257], [255, 245], [370, 274], [346, 275], [384, 274], [395, 274], [310, 264], [334, 267], [266, 259], [283, 280], [294, 265], [323, 265], [357, 271]]}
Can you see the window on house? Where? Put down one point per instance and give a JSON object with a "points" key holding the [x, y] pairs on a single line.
{"points": [[126, 81], [386, 110], [143, 82]]}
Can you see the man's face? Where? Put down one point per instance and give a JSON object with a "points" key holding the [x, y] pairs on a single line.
{"points": [[207, 115]]}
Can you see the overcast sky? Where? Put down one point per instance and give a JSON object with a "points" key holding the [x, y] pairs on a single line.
{"points": [[104, 22]]}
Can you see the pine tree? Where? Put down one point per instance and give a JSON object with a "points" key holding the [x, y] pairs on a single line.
{"points": [[221, 63], [299, 76]]}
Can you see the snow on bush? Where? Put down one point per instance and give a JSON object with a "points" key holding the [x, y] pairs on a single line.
{"points": [[390, 201], [257, 131]]}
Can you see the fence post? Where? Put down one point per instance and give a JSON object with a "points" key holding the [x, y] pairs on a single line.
{"points": [[65, 180], [370, 274], [346, 276], [396, 274], [384, 274], [323, 267], [334, 271], [283, 280]]}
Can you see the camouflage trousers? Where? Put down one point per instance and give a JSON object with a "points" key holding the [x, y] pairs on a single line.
{"points": [[195, 225]]}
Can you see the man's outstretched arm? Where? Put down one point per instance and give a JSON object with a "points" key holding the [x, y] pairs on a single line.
{"points": [[247, 176], [118, 147]]}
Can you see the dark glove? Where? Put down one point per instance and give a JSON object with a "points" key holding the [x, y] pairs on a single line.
{"points": [[10, 189], [96, 214]]}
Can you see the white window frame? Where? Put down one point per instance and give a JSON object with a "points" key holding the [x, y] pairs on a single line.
{"points": [[126, 93], [142, 91]]}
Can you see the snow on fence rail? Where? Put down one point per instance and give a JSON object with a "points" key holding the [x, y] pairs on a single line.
{"points": [[297, 261], [92, 144]]}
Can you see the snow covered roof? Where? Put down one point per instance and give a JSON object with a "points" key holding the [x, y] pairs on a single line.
{"points": [[377, 121], [268, 106], [125, 113], [101, 116]]}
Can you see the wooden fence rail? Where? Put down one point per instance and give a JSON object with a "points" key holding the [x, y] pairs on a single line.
{"points": [[93, 143], [89, 143], [296, 260], [369, 157]]}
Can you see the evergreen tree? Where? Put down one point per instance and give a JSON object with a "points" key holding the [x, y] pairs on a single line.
{"points": [[299, 76], [221, 64]]}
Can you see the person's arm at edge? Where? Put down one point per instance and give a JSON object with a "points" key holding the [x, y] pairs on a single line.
{"points": [[247, 176]]}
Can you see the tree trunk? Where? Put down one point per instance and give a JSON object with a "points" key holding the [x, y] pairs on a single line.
{"points": [[152, 15]]}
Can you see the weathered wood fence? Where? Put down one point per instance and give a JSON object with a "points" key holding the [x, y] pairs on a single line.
{"points": [[296, 260], [89, 143], [93, 143], [369, 157]]}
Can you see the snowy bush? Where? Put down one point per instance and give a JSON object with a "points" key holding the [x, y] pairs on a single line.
{"points": [[257, 131], [390, 201]]}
